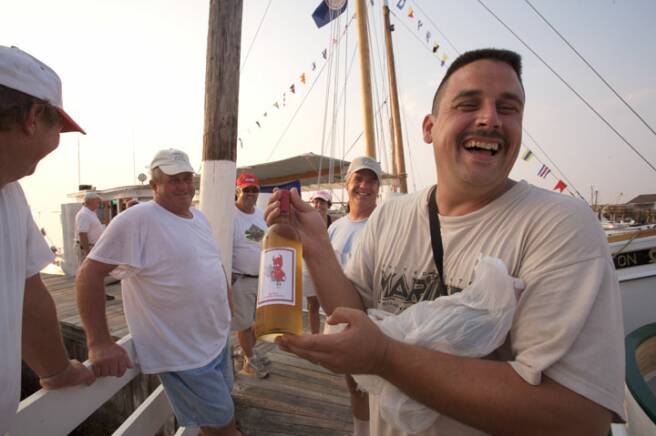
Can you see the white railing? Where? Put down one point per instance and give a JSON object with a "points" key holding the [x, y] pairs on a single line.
{"points": [[59, 412]]}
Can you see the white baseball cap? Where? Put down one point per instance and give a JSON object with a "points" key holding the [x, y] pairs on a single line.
{"points": [[323, 194], [364, 163], [27, 74], [171, 162]]}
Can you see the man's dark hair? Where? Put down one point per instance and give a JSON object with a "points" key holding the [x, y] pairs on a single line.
{"points": [[493, 54], [16, 105]]}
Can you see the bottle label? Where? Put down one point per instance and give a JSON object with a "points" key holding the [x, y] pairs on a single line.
{"points": [[277, 277]]}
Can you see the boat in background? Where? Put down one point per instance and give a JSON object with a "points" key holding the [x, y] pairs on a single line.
{"points": [[634, 256]]}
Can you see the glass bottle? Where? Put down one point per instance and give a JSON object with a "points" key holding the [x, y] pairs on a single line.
{"points": [[280, 285]]}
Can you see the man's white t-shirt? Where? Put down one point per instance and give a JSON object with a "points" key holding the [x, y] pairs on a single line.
{"points": [[86, 221], [343, 235], [23, 253], [249, 230], [568, 324], [174, 286]]}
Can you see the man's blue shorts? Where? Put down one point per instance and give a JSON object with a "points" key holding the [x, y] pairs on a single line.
{"points": [[201, 397]]}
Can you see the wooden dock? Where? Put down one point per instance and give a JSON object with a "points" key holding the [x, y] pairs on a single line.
{"points": [[298, 398]]}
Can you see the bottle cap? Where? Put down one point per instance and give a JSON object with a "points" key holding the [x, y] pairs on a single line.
{"points": [[284, 201]]}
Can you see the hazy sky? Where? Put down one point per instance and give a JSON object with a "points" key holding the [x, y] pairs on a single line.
{"points": [[134, 73]]}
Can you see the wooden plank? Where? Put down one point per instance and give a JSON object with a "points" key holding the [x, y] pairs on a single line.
{"points": [[293, 403], [262, 422], [298, 386]]}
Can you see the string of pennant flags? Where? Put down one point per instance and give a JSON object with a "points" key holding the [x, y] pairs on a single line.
{"points": [[422, 29], [297, 85], [544, 170]]}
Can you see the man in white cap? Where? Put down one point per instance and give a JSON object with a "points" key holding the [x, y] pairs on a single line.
{"points": [[175, 296], [87, 225], [362, 185], [31, 119]]}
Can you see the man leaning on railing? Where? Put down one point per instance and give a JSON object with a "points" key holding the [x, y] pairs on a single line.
{"points": [[31, 119], [175, 297]]}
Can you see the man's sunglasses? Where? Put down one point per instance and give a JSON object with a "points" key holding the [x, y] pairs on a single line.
{"points": [[251, 190]]}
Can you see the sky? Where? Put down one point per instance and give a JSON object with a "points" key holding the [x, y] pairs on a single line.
{"points": [[133, 76]]}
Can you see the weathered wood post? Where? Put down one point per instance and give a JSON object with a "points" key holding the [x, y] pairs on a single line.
{"points": [[217, 182]]}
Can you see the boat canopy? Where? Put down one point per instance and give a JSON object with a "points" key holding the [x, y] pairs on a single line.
{"points": [[309, 169]]}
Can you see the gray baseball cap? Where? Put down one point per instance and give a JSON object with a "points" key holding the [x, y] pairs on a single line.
{"points": [[364, 163]]}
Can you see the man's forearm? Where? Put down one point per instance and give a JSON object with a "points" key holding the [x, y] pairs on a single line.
{"points": [[90, 291], [490, 395], [42, 344], [333, 288]]}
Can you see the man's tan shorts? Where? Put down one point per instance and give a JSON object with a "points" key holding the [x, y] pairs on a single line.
{"points": [[244, 298]]}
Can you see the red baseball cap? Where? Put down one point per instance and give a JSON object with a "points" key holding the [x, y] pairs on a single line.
{"points": [[247, 179]]}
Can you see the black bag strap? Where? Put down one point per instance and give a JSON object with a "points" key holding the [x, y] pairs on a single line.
{"points": [[436, 238]]}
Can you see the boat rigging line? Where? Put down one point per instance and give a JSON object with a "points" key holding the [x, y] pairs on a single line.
{"points": [[300, 106], [545, 63], [591, 67], [412, 159], [250, 47], [546, 155], [357, 139]]}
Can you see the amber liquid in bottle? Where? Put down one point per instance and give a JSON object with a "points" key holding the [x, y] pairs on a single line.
{"points": [[280, 286]]}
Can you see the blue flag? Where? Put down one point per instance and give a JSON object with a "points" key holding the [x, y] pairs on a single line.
{"points": [[323, 15], [289, 185]]}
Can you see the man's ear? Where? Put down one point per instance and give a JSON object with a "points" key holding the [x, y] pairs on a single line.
{"points": [[427, 128], [30, 124]]}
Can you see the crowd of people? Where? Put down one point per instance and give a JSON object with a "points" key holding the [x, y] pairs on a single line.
{"points": [[559, 372]]}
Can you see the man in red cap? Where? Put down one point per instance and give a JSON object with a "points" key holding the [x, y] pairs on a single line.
{"points": [[249, 227], [31, 119]]}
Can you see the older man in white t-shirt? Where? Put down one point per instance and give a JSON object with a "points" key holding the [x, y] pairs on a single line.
{"points": [[31, 119], [88, 227], [175, 296]]}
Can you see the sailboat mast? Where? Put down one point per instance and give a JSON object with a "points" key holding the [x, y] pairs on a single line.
{"points": [[217, 181], [394, 104], [365, 77]]}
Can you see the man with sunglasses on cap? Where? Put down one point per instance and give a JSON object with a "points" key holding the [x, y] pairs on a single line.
{"points": [[249, 228], [175, 297], [31, 119]]}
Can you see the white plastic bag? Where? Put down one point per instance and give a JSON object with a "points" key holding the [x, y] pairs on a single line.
{"points": [[472, 323]]}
